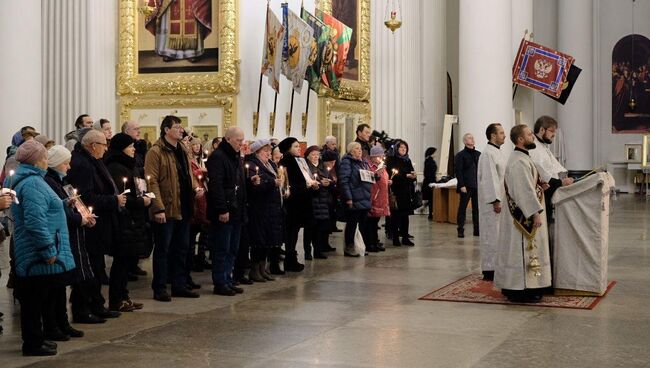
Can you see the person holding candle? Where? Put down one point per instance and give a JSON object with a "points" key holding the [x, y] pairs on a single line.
{"points": [[355, 184], [318, 232], [298, 204], [331, 158], [89, 175], [83, 281], [379, 199], [264, 209], [132, 238], [226, 209], [42, 255], [196, 258], [174, 188], [403, 188]]}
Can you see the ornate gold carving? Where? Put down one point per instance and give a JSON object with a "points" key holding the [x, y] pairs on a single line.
{"points": [[328, 105], [225, 81], [350, 89], [227, 103]]}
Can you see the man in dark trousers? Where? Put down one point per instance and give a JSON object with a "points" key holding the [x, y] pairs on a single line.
{"points": [[168, 169], [226, 209], [466, 166]]}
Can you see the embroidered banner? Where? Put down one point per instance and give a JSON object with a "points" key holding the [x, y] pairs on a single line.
{"points": [[297, 47], [541, 68], [273, 41], [319, 42], [340, 36]]}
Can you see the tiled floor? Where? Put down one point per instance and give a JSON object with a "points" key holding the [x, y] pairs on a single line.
{"points": [[364, 312]]}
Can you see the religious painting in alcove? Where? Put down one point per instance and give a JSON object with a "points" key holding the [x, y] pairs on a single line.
{"points": [[178, 36], [347, 11], [631, 85]]}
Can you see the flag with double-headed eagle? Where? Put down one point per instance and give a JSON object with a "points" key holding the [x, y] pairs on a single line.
{"points": [[297, 47], [541, 68], [318, 43], [273, 41], [340, 37]]}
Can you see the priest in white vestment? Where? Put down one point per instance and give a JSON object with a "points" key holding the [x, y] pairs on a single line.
{"points": [[491, 168], [523, 268]]}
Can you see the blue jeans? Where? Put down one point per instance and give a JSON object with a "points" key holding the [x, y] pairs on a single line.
{"points": [[172, 241], [224, 242]]}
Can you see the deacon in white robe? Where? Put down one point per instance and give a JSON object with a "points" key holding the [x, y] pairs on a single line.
{"points": [[491, 168], [523, 268]]}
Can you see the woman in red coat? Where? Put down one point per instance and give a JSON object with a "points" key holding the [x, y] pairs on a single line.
{"points": [[379, 198]]}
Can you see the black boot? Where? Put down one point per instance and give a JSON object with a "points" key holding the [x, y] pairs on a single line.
{"points": [[291, 263], [275, 268], [461, 233]]}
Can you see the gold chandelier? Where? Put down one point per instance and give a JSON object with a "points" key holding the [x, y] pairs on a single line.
{"points": [[393, 15]]}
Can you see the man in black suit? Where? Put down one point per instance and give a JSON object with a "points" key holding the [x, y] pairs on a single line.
{"points": [[466, 166]]}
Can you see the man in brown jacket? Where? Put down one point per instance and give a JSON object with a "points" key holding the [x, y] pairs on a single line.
{"points": [[167, 170]]}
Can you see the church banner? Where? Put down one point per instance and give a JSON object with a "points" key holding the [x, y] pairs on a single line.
{"points": [[340, 37], [273, 42], [297, 47], [319, 42], [541, 68]]}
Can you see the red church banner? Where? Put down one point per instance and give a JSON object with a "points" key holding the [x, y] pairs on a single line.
{"points": [[541, 68]]}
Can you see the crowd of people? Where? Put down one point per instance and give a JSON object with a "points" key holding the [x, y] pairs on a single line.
{"points": [[177, 200]]}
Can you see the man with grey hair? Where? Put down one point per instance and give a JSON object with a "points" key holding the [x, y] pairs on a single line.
{"points": [[466, 167], [226, 209]]}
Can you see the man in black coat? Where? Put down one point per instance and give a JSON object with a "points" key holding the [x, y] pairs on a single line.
{"points": [[364, 132], [226, 209], [466, 167], [89, 176]]}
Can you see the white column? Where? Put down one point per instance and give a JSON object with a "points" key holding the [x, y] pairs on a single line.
{"points": [[545, 26], [522, 20], [65, 65], [396, 66], [576, 117], [485, 67], [20, 74], [102, 36], [433, 84]]}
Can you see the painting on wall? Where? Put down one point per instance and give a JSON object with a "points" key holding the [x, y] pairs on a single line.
{"points": [[150, 134], [206, 133], [347, 11], [631, 85], [178, 37]]}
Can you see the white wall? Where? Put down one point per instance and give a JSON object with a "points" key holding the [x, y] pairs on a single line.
{"points": [[20, 71]]}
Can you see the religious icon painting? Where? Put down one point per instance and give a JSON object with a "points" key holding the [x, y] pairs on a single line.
{"points": [[631, 85], [541, 68], [168, 46], [348, 13]]}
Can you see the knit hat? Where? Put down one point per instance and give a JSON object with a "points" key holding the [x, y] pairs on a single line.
{"points": [[120, 141], [329, 155], [377, 151], [57, 155], [311, 149], [30, 152], [258, 144], [43, 139], [286, 143]]}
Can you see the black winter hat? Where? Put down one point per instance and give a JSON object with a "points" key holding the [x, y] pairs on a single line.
{"points": [[120, 141], [286, 143]]}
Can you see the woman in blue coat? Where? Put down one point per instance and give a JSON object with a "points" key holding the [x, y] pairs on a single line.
{"points": [[42, 249], [355, 184]]}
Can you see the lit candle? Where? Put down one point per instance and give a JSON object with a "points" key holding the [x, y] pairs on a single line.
{"points": [[206, 152], [124, 180], [90, 209], [316, 176], [246, 166], [200, 177], [395, 171], [11, 179], [74, 192], [257, 170]]}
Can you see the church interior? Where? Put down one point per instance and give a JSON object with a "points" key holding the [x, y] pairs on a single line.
{"points": [[427, 72]]}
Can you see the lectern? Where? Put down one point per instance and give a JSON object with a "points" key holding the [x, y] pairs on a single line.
{"points": [[582, 236]]}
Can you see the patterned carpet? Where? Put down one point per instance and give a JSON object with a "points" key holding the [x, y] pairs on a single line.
{"points": [[472, 289]]}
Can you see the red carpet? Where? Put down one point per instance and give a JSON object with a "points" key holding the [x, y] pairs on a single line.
{"points": [[472, 289]]}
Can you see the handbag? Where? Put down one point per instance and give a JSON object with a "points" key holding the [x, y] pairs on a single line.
{"points": [[416, 200]]}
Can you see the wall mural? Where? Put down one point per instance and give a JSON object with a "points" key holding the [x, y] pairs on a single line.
{"points": [[631, 85]]}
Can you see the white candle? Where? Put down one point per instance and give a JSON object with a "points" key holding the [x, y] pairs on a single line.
{"points": [[124, 180], [11, 178], [246, 166]]}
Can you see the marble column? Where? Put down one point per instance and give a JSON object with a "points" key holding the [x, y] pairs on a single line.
{"points": [[485, 65], [20, 74], [576, 117], [102, 36]]}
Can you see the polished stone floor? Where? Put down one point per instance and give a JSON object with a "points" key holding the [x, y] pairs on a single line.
{"points": [[365, 312]]}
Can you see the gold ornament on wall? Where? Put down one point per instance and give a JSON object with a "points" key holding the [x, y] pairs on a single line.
{"points": [[393, 15]]}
